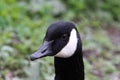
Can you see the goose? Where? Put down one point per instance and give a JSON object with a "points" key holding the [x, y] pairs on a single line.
{"points": [[63, 41]]}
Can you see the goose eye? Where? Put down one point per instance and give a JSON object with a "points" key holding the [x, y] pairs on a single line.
{"points": [[64, 36]]}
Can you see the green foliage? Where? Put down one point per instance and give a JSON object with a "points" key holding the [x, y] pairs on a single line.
{"points": [[23, 24], [102, 11]]}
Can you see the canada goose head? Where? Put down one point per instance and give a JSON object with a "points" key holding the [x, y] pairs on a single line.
{"points": [[60, 41]]}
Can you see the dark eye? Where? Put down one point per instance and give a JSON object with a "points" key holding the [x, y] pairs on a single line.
{"points": [[64, 36]]}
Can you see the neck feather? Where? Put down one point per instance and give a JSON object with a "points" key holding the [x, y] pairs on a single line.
{"points": [[70, 68]]}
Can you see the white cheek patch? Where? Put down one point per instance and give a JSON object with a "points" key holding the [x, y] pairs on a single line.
{"points": [[71, 46]]}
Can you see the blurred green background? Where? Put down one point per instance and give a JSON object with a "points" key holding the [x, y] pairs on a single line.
{"points": [[23, 24]]}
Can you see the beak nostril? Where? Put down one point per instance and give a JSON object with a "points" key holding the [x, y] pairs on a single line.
{"points": [[44, 50]]}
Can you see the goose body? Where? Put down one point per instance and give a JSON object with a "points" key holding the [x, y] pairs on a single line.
{"points": [[62, 41]]}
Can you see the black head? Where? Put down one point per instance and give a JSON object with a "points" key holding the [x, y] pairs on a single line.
{"points": [[60, 40]]}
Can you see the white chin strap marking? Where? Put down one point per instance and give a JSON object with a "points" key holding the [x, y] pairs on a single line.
{"points": [[71, 46]]}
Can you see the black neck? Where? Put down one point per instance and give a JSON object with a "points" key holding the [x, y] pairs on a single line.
{"points": [[70, 68]]}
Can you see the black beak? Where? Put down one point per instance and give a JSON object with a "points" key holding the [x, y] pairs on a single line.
{"points": [[44, 50]]}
